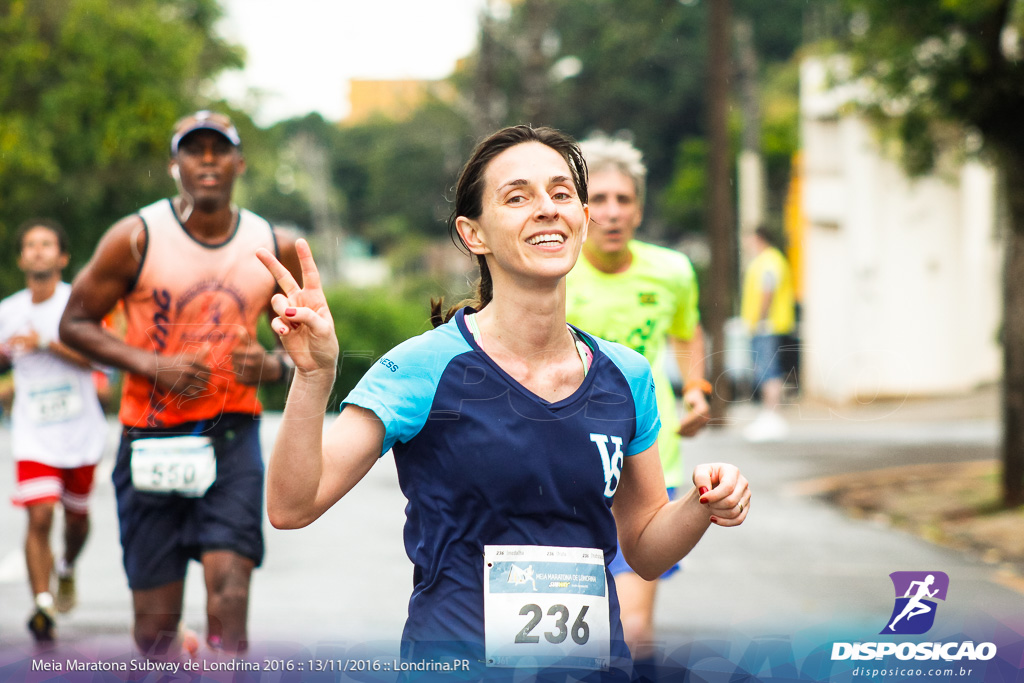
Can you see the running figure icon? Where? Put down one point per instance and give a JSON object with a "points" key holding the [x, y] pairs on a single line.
{"points": [[519, 576], [915, 606]]}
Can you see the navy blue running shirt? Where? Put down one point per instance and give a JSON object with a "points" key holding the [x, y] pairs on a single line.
{"points": [[484, 461]]}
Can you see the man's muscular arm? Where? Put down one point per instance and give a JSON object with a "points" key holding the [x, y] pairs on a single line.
{"points": [[106, 279]]}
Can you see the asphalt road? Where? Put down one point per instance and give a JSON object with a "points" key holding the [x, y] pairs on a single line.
{"points": [[798, 570]]}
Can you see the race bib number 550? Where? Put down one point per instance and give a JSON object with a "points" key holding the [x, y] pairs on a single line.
{"points": [[546, 606], [184, 465]]}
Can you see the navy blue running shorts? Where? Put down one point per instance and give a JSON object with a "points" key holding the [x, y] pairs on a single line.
{"points": [[161, 532]]}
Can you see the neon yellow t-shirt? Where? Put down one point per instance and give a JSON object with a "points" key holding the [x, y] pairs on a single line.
{"points": [[769, 271], [656, 296]]}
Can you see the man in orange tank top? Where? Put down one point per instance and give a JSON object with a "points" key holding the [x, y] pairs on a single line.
{"points": [[189, 472]]}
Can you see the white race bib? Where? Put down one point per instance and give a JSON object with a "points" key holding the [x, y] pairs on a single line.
{"points": [[184, 465], [54, 401], [546, 606]]}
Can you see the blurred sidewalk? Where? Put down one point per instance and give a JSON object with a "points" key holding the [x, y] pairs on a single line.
{"points": [[798, 562], [972, 417]]}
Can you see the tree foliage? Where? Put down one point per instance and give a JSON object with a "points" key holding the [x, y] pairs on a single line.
{"points": [[642, 70], [368, 323], [409, 168], [390, 178], [925, 62], [89, 90]]}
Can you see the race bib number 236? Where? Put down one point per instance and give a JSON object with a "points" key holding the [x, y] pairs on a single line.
{"points": [[546, 606]]}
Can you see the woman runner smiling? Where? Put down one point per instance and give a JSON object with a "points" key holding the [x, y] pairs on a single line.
{"points": [[521, 443]]}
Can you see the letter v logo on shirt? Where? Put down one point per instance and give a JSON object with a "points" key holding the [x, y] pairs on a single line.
{"points": [[612, 462]]}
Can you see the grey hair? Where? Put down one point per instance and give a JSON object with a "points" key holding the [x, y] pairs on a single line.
{"points": [[603, 153]]}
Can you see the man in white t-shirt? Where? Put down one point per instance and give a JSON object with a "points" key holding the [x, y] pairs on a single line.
{"points": [[58, 426]]}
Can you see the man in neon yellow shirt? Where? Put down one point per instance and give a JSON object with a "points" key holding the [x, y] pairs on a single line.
{"points": [[767, 308], [643, 296]]}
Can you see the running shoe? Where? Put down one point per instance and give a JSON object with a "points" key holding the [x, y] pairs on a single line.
{"points": [[189, 641], [42, 625], [66, 598], [768, 427]]}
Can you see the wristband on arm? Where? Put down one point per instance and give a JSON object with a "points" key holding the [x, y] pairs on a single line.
{"points": [[702, 384], [287, 367]]}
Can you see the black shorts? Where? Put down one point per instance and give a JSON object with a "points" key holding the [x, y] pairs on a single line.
{"points": [[161, 532]]}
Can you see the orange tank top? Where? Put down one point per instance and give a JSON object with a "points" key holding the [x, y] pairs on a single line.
{"points": [[193, 297]]}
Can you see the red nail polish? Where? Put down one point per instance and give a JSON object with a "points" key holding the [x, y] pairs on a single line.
{"points": [[289, 312], [703, 501], [703, 490], [714, 520]]}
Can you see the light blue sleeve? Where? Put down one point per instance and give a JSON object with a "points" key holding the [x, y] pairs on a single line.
{"points": [[637, 372], [400, 387]]}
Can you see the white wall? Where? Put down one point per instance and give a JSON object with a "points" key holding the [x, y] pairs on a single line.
{"points": [[902, 276]]}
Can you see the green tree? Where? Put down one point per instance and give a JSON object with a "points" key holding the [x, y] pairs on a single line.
{"points": [[391, 177], [960, 61], [639, 67], [684, 200], [396, 175], [368, 323], [89, 90], [275, 184]]}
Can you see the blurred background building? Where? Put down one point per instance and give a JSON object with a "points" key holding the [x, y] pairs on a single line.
{"points": [[392, 98], [901, 276]]}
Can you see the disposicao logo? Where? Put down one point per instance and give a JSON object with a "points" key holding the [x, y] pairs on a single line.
{"points": [[913, 614], [916, 593]]}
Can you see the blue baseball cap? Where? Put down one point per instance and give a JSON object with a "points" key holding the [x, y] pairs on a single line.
{"points": [[204, 120]]}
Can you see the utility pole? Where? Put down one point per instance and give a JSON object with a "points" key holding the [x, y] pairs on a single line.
{"points": [[752, 185], [720, 215], [535, 59], [329, 236], [485, 118]]}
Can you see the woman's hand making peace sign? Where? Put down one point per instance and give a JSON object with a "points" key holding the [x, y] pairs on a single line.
{"points": [[303, 321]]}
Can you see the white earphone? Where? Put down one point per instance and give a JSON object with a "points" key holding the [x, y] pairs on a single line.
{"points": [[187, 202]]}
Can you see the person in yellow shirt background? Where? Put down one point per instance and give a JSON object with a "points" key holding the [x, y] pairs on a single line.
{"points": [[767, 308]]}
